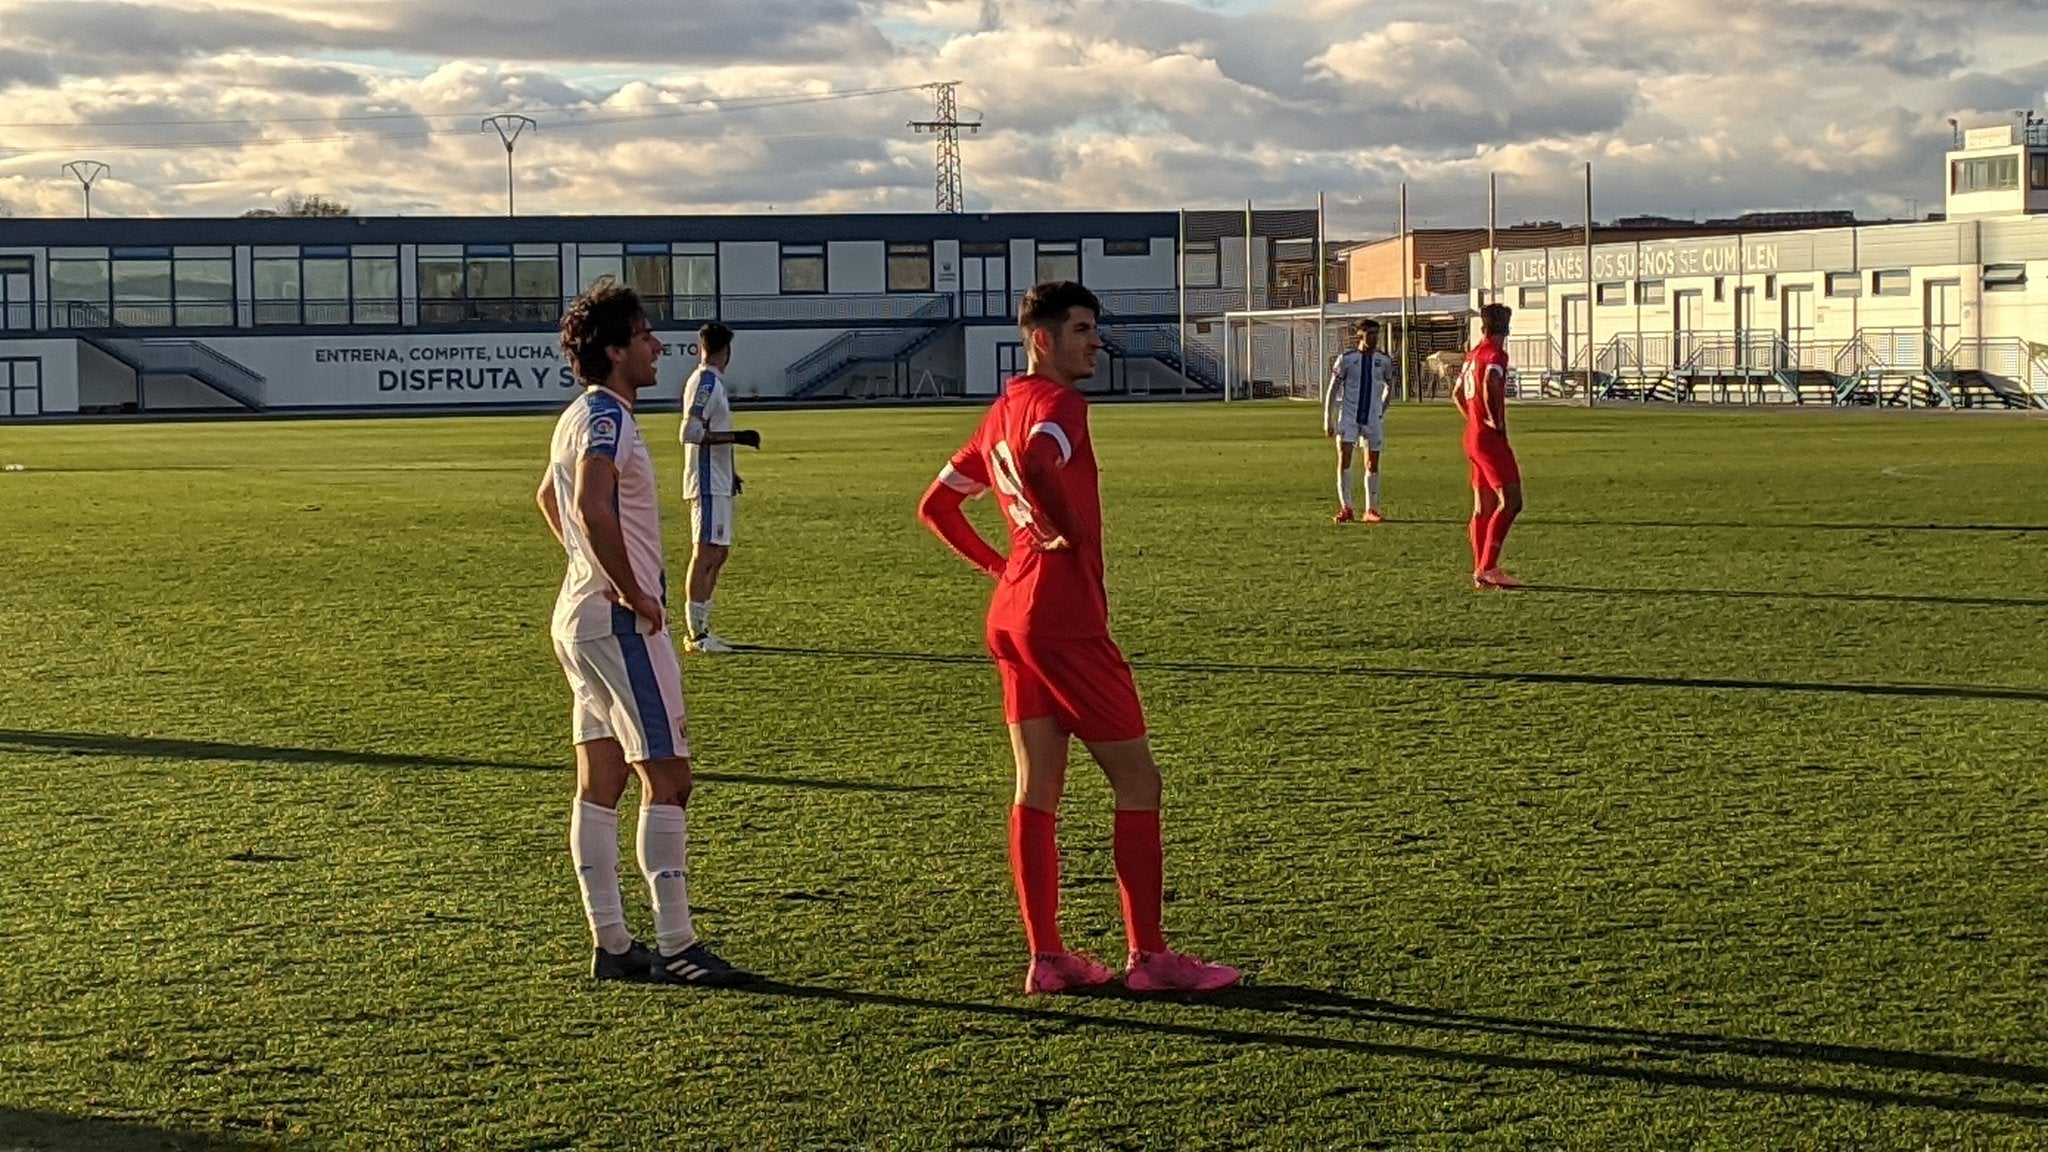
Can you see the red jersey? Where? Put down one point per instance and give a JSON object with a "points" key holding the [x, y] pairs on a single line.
{"points": [[1042, 593], [1487, 363]]}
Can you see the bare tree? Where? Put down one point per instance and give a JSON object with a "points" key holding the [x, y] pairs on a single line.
{"points": [[314, 205]]}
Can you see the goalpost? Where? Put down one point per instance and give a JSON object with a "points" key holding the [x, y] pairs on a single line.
{"points": [[1276, 353]]}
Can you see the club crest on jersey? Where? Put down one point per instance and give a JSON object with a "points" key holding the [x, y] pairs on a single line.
{"points": [[604, 430]]}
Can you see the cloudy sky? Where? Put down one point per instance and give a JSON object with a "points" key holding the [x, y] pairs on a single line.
{"points": [[1683, 106]]}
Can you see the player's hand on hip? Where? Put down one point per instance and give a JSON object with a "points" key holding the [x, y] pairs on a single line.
{"points": [[748, 437], [646, 607], [1056, 544]]}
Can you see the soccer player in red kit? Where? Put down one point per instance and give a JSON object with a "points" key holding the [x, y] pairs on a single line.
{"points": [[1482, 395], [1048, 629]]}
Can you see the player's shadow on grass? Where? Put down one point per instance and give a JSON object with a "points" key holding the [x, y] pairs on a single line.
{"points": [[1474, 675], [160, 748], [1326, 1008], [20, 1128], [1844, 597]]}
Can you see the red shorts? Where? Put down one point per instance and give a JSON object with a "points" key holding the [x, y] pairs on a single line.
{"points": [[1083, 683], [1493, 461]]}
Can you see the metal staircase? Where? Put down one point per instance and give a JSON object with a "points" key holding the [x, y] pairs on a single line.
{"points": [[841, 354], [1990, 373], [1159, 342], [188, 358]]}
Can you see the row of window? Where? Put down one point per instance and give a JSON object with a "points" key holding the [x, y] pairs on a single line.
{"points": [[1885, 282], [1998, 173], [360, 284]]}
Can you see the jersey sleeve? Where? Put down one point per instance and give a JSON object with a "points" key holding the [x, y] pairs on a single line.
{"points": [[600, 435], [1063, 419], [967, 472], [696, 420]]}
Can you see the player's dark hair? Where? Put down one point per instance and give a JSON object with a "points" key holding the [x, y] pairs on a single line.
{"points": [[1046, 305], [603, 317], [1493, 318], [1367, 326], [714, 338]]}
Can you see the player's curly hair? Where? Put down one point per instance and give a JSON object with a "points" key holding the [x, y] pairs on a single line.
{"points": [[603, 317], [1047, 304], [1494, 318]]}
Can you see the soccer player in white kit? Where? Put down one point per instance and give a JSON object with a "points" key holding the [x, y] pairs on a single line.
{"points": [[1354, 409], [709, 479], [611, 634]]}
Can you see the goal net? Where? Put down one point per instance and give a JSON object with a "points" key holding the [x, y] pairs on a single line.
{"points": [[1278, 354]]}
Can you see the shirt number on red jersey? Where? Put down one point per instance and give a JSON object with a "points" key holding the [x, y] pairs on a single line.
{"points": [[1010, 482]]}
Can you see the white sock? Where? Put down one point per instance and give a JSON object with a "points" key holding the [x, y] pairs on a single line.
{"points": [[665, 858], [1372, 491], [700, 617], [1344, 487], [594, 846]]}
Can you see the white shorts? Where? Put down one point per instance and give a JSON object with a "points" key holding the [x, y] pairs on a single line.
{"points": [[628, 688], [1374, 434], [711, 520]]}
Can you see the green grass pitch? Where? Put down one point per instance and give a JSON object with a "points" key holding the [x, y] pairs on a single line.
{"points": [[1731, 834]]}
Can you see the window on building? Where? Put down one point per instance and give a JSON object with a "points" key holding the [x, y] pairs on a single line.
{"points": [[1650, 292], [647, 271], [537, 283], [594, 262], [79, 294], [1126, 247], [910, 268], [142, 287], [1893, 282], [1201, 265], [373, 279], [1612, 292], [203, 288], [1720, 289], [1771, 286], [2005, 277], [2037, 165], [1058, 260], [803, 268], [1535, 299], [695, 282], [274, 275], [1985, 174], [440, 283], [323, 276], [1844, 284], [486, 286]]}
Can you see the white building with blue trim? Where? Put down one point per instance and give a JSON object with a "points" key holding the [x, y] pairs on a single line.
{"points": [[378, 314]]}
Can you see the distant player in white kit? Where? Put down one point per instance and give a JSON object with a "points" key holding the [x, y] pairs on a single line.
{"points": [[1354, 409], [611, 635], [709, 479]]}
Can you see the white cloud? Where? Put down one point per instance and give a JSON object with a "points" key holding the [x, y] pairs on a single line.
{"points": [[1683, 106]]}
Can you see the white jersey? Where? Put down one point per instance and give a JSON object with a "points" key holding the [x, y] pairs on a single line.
{"points": [[600, 423], [1354, 400], [707, 468]]}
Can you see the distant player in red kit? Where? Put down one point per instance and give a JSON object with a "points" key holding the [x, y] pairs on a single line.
{"points": [[1048, 629], [1482, 395]]}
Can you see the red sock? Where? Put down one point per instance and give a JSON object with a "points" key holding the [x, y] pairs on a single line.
{"points": [[1496, 535], [1140, 876], [1035, 865], [1478, 530]]}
